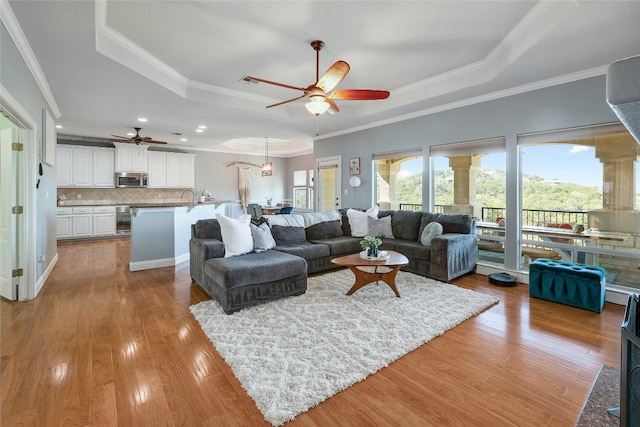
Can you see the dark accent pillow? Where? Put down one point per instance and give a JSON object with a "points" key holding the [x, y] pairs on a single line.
{"points": [[258, 221], [285, 235], [324, 230], [208, 229]]}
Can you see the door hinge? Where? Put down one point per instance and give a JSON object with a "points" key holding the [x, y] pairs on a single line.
{"points": [[17, 210], [17, 272], [17, 146]]}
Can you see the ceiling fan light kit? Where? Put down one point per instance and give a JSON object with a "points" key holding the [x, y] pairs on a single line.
{"points": [[317, 107], [321, 94]]}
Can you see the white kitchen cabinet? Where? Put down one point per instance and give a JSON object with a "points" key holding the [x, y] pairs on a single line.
{"points": [[171, 170], [85, 221], [82, 220], [131, 157], [187, 170], [81, 173], [104, 220], [87, 167], [157, 176], [103, 168], [63, 223], [64, 163]]}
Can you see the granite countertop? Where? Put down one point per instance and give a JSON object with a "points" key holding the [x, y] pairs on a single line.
{"points": [[137, 204]]}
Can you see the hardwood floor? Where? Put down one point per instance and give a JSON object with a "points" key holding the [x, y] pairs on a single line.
{"points": [[104, 346]]}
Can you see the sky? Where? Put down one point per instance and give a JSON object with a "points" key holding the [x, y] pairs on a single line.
{"points": [[566, 163]]}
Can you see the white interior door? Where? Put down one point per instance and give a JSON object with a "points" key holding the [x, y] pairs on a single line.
{"points": [[328, 184], [9, 197]]}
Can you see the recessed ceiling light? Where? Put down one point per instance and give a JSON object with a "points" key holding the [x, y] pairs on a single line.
{"points": [[183, 139], [202, 127], [58, 126], [142, 119], [199, 130]]}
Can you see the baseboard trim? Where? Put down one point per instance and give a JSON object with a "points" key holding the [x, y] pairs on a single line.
{"points": [[158, 263]]}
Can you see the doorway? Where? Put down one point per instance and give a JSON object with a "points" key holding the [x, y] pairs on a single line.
{"points": [[328, 184], [17, 199]]}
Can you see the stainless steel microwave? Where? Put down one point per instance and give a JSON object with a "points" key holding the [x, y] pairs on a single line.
{"points": [[131, 179]]}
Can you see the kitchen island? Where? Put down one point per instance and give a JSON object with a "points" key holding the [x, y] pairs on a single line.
{"points": [[160, 233]]}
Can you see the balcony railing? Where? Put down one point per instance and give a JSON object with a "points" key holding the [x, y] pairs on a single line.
{"points": [[533, 217]]}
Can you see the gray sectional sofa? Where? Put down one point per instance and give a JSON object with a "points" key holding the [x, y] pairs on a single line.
{"points": [[243, 280]]}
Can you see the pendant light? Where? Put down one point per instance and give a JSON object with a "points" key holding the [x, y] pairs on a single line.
{"points": [[267, 166]]}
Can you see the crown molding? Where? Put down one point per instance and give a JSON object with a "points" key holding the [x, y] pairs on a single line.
{"points": [[22, 44]]}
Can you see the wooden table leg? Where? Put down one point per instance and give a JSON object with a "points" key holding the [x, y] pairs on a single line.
{"points": [[363, 278]]}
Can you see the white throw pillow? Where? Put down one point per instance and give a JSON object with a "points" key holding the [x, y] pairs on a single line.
{"points": [[433, 229], [358, 220], [236, 235], [262, 237]]}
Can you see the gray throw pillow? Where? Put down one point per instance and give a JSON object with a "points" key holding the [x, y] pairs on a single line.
{"points": [[432, 230], [262, 238], [286, 235], [380, 227], [324, 230]]}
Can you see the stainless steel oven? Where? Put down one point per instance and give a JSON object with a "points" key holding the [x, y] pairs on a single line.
{"points": [[123, 220]]}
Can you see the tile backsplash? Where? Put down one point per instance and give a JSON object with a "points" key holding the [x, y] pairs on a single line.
{"points": [[122, 196]]}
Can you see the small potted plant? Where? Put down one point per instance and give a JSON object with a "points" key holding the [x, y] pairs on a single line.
{"points": [[269, 200], [370, 244], [203, 194]]}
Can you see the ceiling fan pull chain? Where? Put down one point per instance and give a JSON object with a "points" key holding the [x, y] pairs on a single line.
{"points": [[317, 124]]}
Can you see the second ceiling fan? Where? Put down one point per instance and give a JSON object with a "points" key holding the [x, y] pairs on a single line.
{"points": [[322, 93]]}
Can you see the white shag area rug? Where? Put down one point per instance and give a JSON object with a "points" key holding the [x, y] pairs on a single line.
{"points": [[291, 354]]}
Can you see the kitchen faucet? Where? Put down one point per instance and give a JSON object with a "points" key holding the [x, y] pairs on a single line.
{"points": [[193, 201]]}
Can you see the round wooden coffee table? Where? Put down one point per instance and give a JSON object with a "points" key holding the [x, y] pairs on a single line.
{"points": [[363, 277]]}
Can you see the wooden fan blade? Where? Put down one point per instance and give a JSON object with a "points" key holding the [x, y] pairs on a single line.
{"points": [[285, 102], [153, 141], [276, 83], [333, 76], [123, 137], [358, 94], [333, 108]]}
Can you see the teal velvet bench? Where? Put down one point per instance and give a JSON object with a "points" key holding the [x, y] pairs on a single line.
{"points": [[580, 286]]}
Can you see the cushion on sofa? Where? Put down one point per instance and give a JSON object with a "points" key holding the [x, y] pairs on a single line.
{"points": [[414, 250], [358, 220], [342, 245], [380, 227], [236, 235], [454, 223], [324, 230], [306, 250], [262, 238], [208, 229], [432, 230], [287, 235], [406, 224]]}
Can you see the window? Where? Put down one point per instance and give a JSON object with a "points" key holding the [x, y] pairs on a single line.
{"points": [[303, 189], [399, 180], [586, 177], [469, 177]]}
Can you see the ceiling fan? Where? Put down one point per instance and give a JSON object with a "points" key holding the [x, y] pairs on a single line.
{"points": [[137, 139], [322, 93]]}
